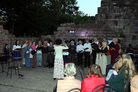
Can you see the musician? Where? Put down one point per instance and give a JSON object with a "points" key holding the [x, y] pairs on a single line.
{"points": [[65, 53], [87, 52], [80, 50], [72, 51], [95, 49]]}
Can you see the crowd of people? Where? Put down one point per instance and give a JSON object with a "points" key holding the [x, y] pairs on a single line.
{"points": [[106, 62]]}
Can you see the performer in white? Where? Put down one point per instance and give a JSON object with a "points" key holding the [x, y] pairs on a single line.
{"points": [[80, 50], [87, 52]]}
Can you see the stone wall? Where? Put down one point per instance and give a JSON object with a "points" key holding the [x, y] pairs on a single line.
{"points": [[72, 31], [121, 17], [7, 38]]}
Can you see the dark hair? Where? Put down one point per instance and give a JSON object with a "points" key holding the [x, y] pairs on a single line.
{"points": [[58, 41], [16, 42], [95, 70]]}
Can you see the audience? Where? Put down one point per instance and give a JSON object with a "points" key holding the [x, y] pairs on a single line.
{"points": [[126, 71], [94, 79], [134, 84], [120, 69], [69, 81]]}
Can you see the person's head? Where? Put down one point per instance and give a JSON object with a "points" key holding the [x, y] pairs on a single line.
{"points": [[17, 42], [129, 46], [95, 70], [70, 69], [95, 39], [45, 43], [104, 40], [99, 44], [33, 42], [126, 62], [51, 43], [87, 41], [30, 43], [115, 40], [58, 42], [72, 42], [104, 44], [6, 45], [26, 42], [80, 42], [39, 43]]}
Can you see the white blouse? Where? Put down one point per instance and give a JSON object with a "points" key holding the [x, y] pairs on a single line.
{"points": [[16, 47]]}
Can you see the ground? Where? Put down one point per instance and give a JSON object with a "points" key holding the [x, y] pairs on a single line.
{"points": [[35, 80]]}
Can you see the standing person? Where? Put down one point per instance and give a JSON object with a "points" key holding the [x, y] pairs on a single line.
{"points": [[45, 54], [50, 55], [94, 49], [72, 51], [80, 50], [98, 56], [34, 54], [17, 53], [103, 55], [27, 54], [87, 53], [6, 50], [65, 53], [39, 54], [114, 50], [58, 62], [23, 47]]}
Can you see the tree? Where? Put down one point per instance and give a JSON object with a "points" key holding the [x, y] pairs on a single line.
{"points": [[37, 17]]}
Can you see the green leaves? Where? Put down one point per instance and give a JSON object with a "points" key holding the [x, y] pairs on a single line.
{"points": [[39, 17]]}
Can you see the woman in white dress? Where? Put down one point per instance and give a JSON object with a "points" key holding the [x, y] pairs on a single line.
{"points": [[58, 62]]}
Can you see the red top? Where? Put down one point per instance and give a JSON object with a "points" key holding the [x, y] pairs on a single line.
{"points": [[90, 83], [114, 53]]}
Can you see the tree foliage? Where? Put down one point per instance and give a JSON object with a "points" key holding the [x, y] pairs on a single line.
{"points": [[37, 17]]}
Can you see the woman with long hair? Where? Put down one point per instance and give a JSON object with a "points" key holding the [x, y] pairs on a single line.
{"points": [[28, 55], [126, 71], [39, 54], [94, 79], [33, 52], [17, 53]]}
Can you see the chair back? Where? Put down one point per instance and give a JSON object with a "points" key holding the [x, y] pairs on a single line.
{"points": [[75, 90], [99, 88]]}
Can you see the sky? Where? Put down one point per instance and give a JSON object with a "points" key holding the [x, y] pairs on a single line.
{"points": [[89, 6]]}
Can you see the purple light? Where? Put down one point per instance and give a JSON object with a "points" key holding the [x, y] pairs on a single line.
{"points": [[83, 34], [71, 31]]}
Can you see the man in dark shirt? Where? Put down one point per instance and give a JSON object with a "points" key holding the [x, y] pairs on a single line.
{"points": [[94, 49], [72, 51]]}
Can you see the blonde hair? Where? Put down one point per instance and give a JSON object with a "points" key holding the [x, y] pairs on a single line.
{"points": [[95, 70], [70, 69], [126, 62], [104, 44]]}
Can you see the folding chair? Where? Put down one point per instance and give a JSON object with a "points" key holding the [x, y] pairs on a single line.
{"points": [[75, 90]]}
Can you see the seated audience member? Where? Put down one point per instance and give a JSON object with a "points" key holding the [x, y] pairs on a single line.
{"points": [[69, 81], [108, 67], [94, 79], [134, 84], [125, 71]]}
